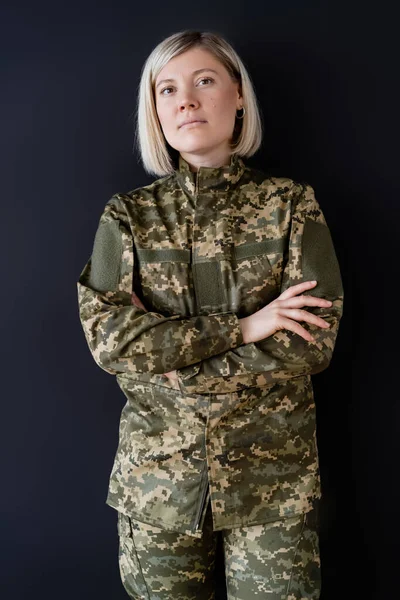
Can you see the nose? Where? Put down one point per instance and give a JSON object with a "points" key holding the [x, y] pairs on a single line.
{"points": [[187, 101], [186, 105]]}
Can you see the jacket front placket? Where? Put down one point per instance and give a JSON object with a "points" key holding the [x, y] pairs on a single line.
{"points": [[199, 259], [204, 491], [208, 289]]}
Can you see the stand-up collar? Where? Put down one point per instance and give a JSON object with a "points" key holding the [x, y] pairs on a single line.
{"points": [[207, 178]]}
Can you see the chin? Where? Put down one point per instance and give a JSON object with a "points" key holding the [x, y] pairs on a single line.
{"points": [[197, 146]]}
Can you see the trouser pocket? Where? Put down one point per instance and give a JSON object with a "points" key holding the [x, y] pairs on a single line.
{"points": [[129, 565], [277, 560], [156, 564]]}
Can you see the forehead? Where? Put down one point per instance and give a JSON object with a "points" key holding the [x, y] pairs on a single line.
{"points": [[189, 61]]}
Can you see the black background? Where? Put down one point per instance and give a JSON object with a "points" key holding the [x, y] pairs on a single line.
{"points": [[325, 74]]}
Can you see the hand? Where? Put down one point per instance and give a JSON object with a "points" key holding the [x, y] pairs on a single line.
{"points": [[137, 301], [283, 313], [171, 374]]}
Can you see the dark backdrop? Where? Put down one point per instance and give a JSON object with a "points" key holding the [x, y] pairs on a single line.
{"points": [[324, 73]]}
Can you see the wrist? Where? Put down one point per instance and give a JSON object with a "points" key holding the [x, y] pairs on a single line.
{"points": [[244, 326]]}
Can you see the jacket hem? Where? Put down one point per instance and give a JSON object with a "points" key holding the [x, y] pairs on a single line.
{"points": [[236, 522], [154, 523]]}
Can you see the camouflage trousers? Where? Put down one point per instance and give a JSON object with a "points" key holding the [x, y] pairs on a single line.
{"points": [[277, 560]]}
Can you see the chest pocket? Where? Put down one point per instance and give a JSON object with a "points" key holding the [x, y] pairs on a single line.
{"points": [[257, 271], [210, 287], [173, 284], [166, 280], [242, 281]]}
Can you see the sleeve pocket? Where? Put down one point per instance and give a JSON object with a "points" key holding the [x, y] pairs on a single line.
{"points": [[106, 258], [319, 260]]}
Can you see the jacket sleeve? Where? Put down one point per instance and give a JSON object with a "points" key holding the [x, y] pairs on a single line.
{"points": [[310, 255], [121, 334]]}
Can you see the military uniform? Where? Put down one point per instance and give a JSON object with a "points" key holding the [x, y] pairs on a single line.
{"points": [[174, 266], [278, 560]]}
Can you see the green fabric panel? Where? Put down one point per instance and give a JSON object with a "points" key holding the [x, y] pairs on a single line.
{"points": [[319, 260], [208, 284], [167, 255], [106, 258], [253, 249]]}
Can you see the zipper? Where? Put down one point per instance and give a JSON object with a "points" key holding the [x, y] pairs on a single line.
{"points": [[194, 233], [204, 476], [202, 498]]}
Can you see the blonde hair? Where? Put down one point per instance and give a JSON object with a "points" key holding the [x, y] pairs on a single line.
{"points": [[150, 141]]}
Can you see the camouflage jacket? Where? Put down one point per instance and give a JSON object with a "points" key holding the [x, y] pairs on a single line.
{"points": [[174, 266]]}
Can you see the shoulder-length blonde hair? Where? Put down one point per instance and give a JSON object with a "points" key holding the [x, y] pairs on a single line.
{"points": [[154, 150]]}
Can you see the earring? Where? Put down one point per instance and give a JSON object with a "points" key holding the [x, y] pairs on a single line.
{"points": [[244, 112]]}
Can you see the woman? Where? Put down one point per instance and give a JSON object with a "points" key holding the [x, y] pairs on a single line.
{"points": [[194, 297]]}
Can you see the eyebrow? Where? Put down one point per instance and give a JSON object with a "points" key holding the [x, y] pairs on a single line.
{"points": [[194, 73]]}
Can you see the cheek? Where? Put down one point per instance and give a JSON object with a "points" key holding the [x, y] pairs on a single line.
{"points": [[222, 106], [163, 117], [217, 104], [224, 116], [160, 112]]}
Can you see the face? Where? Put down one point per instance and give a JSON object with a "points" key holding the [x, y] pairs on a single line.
{"points": [[198, 87]]}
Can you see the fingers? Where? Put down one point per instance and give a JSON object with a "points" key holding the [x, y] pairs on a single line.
{"points": [[298, 301], [303, 315], [137, 301], [296, 328], [293, 290], [290, 296], [171, 374]]}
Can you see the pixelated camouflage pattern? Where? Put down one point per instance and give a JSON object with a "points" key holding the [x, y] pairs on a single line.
{"points": [[197, 251], [277, 560]]}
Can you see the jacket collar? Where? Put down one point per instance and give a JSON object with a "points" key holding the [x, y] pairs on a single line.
{"points": [[206, 178]]}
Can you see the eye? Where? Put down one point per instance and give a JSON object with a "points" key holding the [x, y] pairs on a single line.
{"points": [[163, 90], [206, 79], [170, 88]]}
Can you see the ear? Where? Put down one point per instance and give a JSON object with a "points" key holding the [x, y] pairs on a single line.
{"points": [[238, 93]]}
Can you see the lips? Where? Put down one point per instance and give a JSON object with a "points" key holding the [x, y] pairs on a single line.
{"points": [[193, 121]]}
